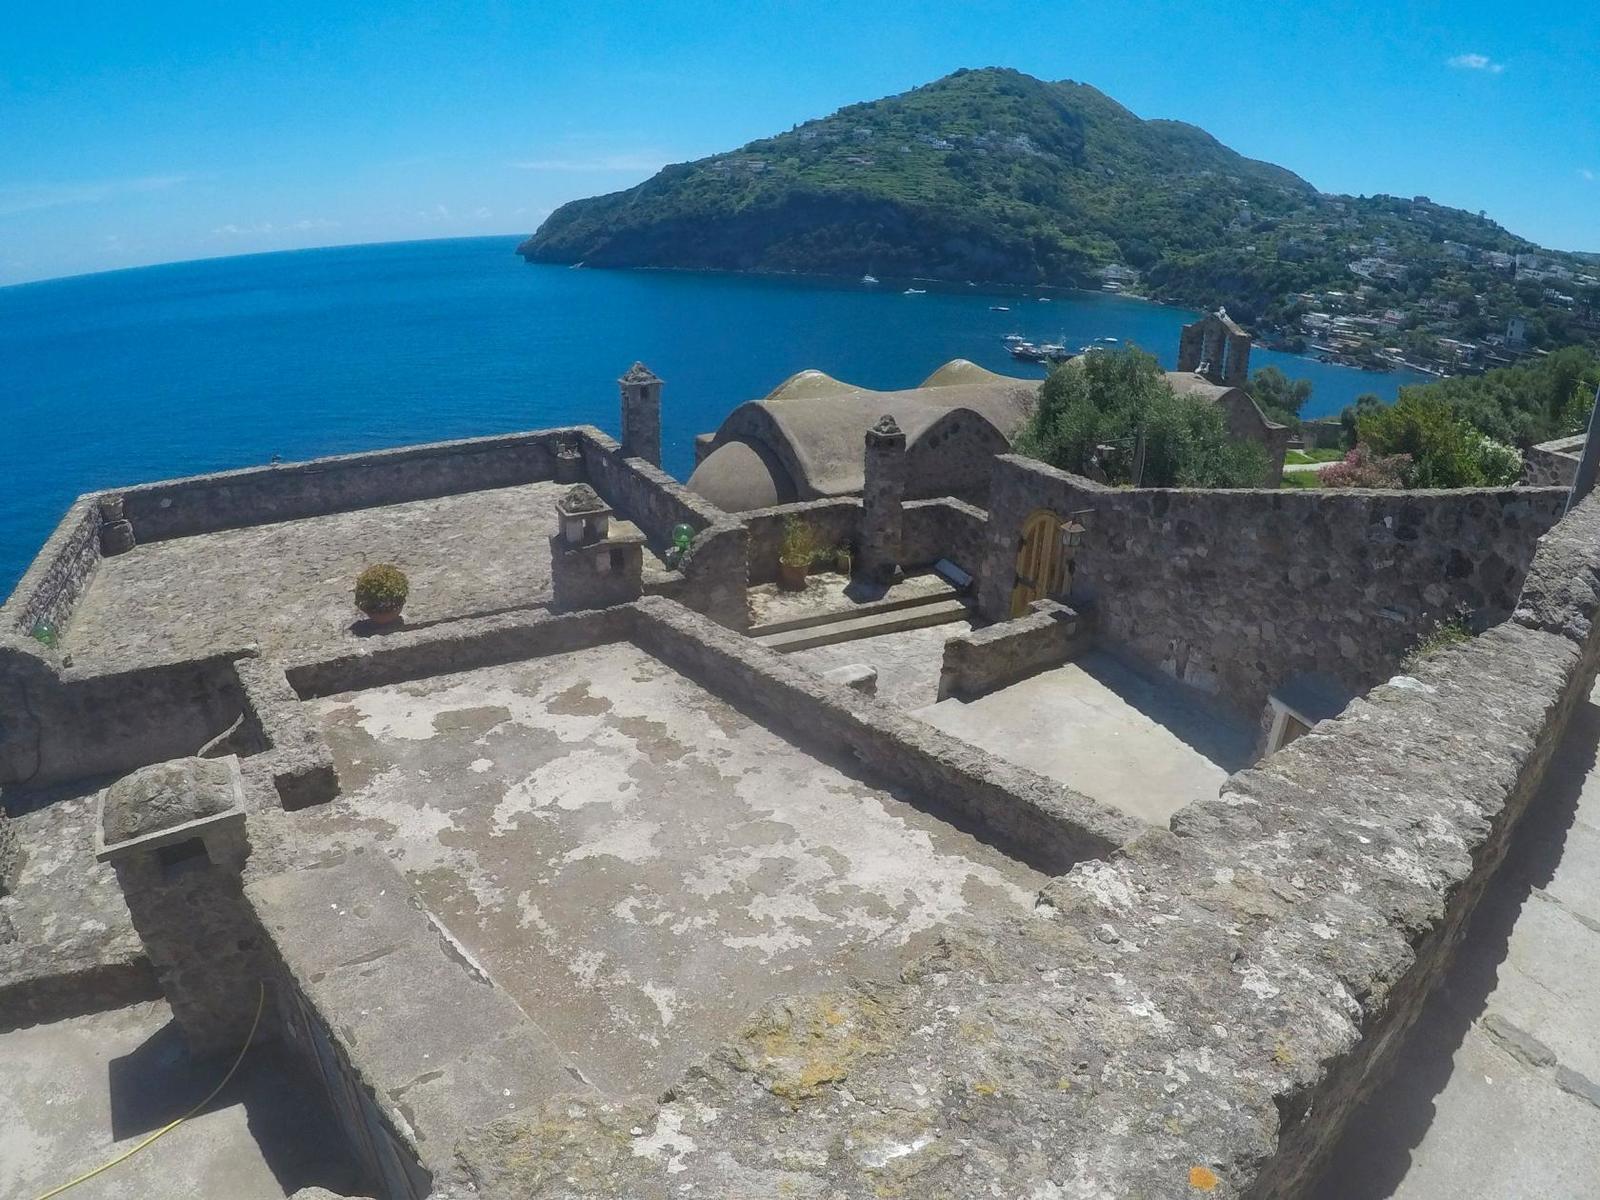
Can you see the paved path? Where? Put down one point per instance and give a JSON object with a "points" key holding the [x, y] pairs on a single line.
{"points": [[1497, 1093]]}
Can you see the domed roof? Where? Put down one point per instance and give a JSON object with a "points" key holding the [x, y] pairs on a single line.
{"points": [[740, 475]]}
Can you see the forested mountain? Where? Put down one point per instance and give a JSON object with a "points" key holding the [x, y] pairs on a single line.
{"points": [[992, 175]]}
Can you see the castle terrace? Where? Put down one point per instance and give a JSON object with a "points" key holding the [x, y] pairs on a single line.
{"points": [[617, 887]]}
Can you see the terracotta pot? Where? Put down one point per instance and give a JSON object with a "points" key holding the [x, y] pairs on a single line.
{"points": [[791, 576], [388, 617]]}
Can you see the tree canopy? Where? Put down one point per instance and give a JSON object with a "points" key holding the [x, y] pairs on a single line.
{"points": [[1112, 399], [1279, 397]]}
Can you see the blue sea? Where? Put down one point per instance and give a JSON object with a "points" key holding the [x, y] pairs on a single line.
{"points": [[145, 374]]}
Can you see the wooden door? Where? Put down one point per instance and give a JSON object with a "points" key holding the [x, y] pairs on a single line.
{"points": [[1041, 563]]}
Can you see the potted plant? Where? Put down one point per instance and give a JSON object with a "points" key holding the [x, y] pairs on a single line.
{"points": [[795, 554], [844, 558], [381, 592]]}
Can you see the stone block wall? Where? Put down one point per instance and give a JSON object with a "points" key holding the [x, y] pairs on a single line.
{"points": [[834, 521], [72, 724], [979, 662], [285, 491], [1552, 464], [935, 529], [60, 571], [642, 492], [1232, 592], [294, 756], [457, 646]]}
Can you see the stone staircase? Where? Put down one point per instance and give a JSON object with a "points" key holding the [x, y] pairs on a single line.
{"points": [[889, 615]]}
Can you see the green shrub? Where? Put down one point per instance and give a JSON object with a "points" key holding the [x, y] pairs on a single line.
{"points": [[381, 588], [1445, 451], [800, 544], [1447, 632]]}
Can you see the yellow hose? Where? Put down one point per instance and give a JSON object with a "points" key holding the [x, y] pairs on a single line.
{"points": [[261, 1001]]}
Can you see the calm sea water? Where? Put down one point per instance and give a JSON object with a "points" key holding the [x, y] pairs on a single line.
{"points": [[137, 375]]}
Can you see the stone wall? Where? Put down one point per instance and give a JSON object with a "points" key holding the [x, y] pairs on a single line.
{"points": [[457, 646], [261, 495], [60, 571], [1030, 817], [977, 663], [1233, 592], [936, 529], [833, 521], [1552, 464], [292, 754], [74, 724]]}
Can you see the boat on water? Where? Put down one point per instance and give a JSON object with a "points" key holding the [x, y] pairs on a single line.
{"points": [[869, 279], [1042, 299], [1110, 341], [998, 308], [915, 292], [1044, 352]]}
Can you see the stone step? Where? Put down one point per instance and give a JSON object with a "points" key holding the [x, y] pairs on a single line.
{"points": [[854, 626], [924, 590]]}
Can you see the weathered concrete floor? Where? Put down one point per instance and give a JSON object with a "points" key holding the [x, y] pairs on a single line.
{"points": [[637, 863], [290, 584], [830, 592], [1109, 732], [1497, 1091], [79, 1092], [908, 662], [67, 911]]}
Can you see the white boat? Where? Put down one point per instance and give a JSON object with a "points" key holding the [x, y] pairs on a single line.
{"points": [[1043, 299], [1110, 341], [998, 308], [869, 279], [915, 292]]}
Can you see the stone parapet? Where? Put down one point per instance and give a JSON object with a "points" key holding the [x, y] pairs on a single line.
{"points": [[1030, 817], [977, 663], [1552, 464]]}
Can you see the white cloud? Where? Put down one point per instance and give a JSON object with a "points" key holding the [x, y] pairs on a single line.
{"points": [[1476, 62], [260, 228], [30, 197], [648, 162]]}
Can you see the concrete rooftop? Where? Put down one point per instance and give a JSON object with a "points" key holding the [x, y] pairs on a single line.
{"points": [[1134, 743], [289, 584], [637, 863], [76, 1093]]}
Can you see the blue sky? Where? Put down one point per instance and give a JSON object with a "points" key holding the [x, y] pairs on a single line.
{"points": [[139, 133]]}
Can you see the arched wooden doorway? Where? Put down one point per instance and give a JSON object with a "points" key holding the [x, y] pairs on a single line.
{"points": [[1041, 561]]}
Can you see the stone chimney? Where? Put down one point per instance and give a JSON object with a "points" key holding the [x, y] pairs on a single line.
{"points": [[175, 835], [641, 414], [882, 499]]}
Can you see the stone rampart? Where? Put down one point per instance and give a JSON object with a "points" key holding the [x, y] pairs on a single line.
{"points": [[1552, 464], [978, 662], [1232, 592], [60, 571], [288, 491]]}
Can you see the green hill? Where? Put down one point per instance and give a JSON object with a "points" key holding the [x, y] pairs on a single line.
{"points": [[995, 176]]}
